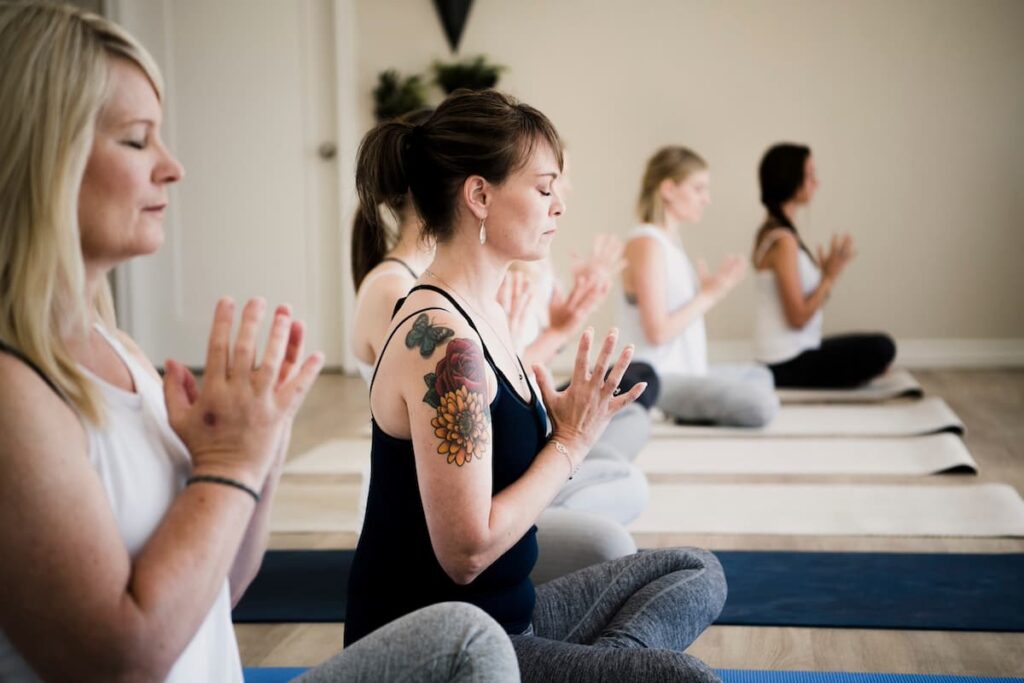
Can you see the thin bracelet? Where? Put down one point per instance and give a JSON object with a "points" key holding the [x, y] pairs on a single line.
{"points": [[565, 451], [214, 479]]}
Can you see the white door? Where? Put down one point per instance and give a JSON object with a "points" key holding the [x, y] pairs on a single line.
{"points": [[251, 99]]}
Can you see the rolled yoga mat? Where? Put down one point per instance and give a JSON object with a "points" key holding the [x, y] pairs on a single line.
{"points": [[927, 591], [931, 454], [916, 418], [978, 510], [920, 455], [892, 385], [285, 674]]}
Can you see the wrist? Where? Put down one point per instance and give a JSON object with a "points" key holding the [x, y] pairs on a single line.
{"points": [[237, 473]]}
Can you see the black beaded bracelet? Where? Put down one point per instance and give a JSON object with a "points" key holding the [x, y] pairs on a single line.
{"points": [[214, 479]]}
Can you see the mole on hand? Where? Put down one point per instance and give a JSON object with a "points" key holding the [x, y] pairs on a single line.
{"points": [[210, 419]]}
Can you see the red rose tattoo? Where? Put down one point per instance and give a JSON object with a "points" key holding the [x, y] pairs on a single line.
{"points": [[456, 390]]}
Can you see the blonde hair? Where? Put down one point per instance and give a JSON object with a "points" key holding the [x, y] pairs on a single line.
{"points": [[675, 163], [53, 84]]}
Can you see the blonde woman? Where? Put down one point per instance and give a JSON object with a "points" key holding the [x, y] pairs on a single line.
{"points": [[137, 509], [667, 298]]}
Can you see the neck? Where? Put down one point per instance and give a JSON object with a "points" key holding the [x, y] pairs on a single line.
{"points": [[670, 224], [475, 272]]}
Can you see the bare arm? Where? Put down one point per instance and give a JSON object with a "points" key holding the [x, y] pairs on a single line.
{"points": [[782, 259], [645, 276], [451, 432], [76, 605]]}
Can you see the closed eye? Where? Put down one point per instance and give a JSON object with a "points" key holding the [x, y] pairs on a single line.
{"points": [[546, 194], [135, 144]]}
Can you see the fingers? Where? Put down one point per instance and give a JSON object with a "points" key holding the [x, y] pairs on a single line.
{"points": [[175, 395], [615, 376], [295, 391], [545, 383], [296, 347], [220, 339], [606, 352], [623, 400], [579, 372], [277, 344], [245, 344]]}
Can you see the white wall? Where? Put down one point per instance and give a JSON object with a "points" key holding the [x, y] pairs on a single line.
{"points": [[913, 110]]}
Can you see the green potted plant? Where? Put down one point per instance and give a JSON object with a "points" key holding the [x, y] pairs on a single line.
{"points": [[474, 74], [395, 95]]}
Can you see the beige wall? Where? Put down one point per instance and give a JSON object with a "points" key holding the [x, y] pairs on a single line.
{"points": [[914, 110]]}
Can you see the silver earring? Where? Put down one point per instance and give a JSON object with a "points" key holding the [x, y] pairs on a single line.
{"points": [[483, 232]]}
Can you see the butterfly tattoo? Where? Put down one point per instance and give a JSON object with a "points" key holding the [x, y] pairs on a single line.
{"points": [[426, 335]]}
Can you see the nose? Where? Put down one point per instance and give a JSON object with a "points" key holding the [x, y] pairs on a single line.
{"points": [[169, 169], [557, 206]]}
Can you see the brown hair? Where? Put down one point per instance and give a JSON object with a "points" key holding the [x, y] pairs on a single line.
{"points": [[372, 240], [484, 133], [671, 162]]}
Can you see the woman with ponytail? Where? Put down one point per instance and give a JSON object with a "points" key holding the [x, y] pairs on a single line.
{"points": [[667, 298], [466, 452], [793, 286], [137, 507]]}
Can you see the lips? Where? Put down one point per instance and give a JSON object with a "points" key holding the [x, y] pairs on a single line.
{"points": [[156, 208]]}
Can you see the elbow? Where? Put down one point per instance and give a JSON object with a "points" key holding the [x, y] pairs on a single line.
{"points": [[464, 568], [133, 656], [797, 319], [655, 335]]}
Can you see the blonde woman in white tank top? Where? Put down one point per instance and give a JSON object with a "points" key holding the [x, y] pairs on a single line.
{"points": [[792, 287], [136, 510], [666, 299]]}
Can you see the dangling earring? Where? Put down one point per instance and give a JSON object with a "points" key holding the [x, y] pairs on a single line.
{"points": [[483, 232]]}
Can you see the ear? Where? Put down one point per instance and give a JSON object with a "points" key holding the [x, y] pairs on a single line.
{"points": [[476, 192], [666, 187]]}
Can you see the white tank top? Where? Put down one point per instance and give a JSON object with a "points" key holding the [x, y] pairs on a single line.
{"points": [[688, 352], [390, 268], [774, 340], [143, 465]]}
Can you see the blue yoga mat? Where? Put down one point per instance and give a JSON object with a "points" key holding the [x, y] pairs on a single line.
{"points": [[281, 675], [949, 592]]}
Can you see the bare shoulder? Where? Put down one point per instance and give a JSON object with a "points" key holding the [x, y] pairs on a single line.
{"points": [[32, 414], [778, 247]]}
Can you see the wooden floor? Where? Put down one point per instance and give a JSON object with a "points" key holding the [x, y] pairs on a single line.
{"points": [[991, 404]]}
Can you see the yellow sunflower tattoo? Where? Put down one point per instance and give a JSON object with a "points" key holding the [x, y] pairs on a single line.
{"points": [[461, 424]]}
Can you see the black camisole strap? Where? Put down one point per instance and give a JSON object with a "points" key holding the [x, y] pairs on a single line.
{"points": [[7, 348], [415, 275], [391, 336], [462, 312]]}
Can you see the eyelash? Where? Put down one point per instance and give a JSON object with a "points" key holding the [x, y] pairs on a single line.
{"points": [[135, 145], [546, 194]]}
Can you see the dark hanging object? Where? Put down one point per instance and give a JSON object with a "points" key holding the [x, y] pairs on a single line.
{"points": [[453, 15]]}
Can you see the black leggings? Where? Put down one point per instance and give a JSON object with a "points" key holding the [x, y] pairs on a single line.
{"points": [[841, 362]]}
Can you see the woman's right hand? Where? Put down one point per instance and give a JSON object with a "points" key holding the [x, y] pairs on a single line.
{"points": [[233, 425], [839, 254], [580, 413], [721, 282]]}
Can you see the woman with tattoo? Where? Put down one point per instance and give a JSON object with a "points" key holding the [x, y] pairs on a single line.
{"points": [[465, 454], [134, 511]]}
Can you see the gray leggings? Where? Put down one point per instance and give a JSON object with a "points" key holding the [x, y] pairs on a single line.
{"points": [[449, 641], [729, 395], [625, 620]]}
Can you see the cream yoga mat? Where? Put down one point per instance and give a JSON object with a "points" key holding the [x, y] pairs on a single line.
{"points": [[338, 458], [923, 455], [893, 385], [916, 418], [990, 510]]}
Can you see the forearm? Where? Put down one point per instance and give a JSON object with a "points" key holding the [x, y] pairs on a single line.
{"points": [[181, 569], [253, 546], [811, 304], [674, 323], [512, 512]]}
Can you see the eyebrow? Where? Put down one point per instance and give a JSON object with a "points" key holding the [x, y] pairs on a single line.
{"points": [[552, 174]]}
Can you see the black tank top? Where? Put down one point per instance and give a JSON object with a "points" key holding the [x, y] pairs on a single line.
{"points": [[395, 571]]}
